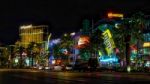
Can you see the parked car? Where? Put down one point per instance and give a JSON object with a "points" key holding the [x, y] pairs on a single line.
{"points": [[81, 67], [58, 68], [93, 64], [40, 67], [47, 68], [34, 67], [90, 65], [68, 67]]}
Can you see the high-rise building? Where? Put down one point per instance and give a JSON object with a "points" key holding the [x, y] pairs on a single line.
{"points": [[31, 33]]}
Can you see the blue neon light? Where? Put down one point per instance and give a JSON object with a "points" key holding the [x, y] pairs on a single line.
{"points": [[51, 58], [113, 59]]}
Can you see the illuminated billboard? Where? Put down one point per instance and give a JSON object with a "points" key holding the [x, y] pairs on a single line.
{"points": [[108, 41], [83, 41]]}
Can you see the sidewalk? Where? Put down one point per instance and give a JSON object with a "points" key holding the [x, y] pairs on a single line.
{"points": [[24, 70], [103, 72], [129, 73]]}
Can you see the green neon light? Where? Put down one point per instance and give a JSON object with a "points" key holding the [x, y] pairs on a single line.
{"points": [[100, 53], [48, 40]]}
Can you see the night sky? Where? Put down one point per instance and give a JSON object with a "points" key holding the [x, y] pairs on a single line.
{"points": [[61, 15]]}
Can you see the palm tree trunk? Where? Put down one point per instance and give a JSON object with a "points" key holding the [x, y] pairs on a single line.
{"points": [[127, 54], [127, 40], [32, 60], [20, 52], [20, 59]]}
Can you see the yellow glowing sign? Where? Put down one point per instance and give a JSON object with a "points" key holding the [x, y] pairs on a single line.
{"points": [[110, 15], [146, 44], [108, 41], [107, 32], [100, 53]]}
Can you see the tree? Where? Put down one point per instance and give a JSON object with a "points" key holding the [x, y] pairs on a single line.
{"points": [[129, 31], [84, 47], [21, 49], [3, 56], [96, 42], [34, 51], [63, 50], [57, 52], [66, 43]]}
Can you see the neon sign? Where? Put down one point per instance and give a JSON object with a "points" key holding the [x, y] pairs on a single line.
{"points": [[111, 15], [146, 44], [108, 41], [109, 60]]}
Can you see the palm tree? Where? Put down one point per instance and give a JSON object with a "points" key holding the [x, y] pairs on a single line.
{"points": [[129, 31], [96, 45], [84, 47], [21, 49], [96, 42], [56, 51], [67, 43], [33, 51], [29, 51]]}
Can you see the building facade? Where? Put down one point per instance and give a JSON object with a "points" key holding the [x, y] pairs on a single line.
{"points": [[31, 33], [146, 44]]}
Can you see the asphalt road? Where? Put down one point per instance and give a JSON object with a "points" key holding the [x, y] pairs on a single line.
{"points": [[40, 77]]}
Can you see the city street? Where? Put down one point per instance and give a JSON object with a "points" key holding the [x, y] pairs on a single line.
{"points": [[75, 42], [41, 77]]}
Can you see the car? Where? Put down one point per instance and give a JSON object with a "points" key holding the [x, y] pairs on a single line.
{"points": [[90, 65], [93, 64], [34, 67], [47, 68], [68, 67], [58, 68], [81, 67], [40, 67]]}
